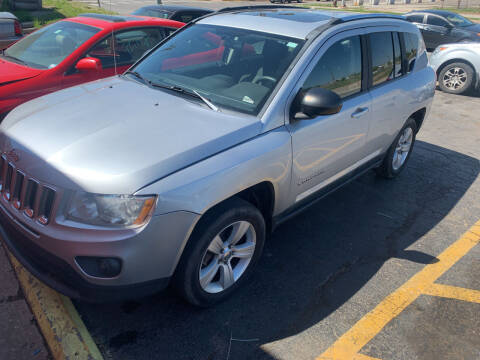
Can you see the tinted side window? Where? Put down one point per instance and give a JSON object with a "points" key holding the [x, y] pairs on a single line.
{"points": [[435, 20], [128, 46], [415, 18], [339, 69], [184, 16], [411, 49], [398, 55], [382, 57]]}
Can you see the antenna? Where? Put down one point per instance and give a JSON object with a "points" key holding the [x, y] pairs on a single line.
{"points": [[114, 52], [113, 45]]}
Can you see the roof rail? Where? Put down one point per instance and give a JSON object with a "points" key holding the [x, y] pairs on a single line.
{"points": [[257, 7], [354, 17], [109, 18]]}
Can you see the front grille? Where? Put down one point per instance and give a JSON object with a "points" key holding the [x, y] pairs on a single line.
{"points": [[25, 193]]}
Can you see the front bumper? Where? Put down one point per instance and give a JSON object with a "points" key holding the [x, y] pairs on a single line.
{"points": [[141, 275]]}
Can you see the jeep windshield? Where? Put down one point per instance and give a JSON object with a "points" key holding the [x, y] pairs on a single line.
{"points": [[233, 68]]}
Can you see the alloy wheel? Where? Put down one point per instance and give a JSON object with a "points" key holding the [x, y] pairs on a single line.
{"points": [[403, 148], [455, 78], [227, 257]]}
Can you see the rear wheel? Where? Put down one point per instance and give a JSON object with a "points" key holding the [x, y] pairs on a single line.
{"points": [[456, 78], [399, 152], [221, 253]]}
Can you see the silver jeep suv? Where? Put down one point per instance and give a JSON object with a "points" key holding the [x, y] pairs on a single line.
{"points": [[177, 170]]}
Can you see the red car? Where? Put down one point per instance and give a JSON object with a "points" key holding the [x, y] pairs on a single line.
{"points": [[73, 51]]}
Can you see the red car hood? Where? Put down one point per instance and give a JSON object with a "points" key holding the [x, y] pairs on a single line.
{"points": [[10, 71]]}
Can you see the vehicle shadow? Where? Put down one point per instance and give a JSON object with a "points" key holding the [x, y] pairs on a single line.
{"points": [[474, 93], [312, 265]]}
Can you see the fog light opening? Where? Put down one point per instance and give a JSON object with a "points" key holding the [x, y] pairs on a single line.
{"points": [[102, 267]]}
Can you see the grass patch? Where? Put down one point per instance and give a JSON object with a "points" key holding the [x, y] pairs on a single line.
{"points": [[54, 10], [473, 11]]}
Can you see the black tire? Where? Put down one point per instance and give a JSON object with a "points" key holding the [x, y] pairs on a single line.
{"points": [[467, 71], [387, 169], [186, 279]]}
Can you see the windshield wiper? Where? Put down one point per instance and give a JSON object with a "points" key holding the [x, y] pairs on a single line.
{"points": [[139, 76], [192, 93], [14, 58]]}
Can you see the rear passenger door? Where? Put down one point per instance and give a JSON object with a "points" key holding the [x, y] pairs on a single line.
{"points": [[328, 147], [387, 88]]}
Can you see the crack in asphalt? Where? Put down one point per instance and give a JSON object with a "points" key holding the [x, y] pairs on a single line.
{"points": [[12, 298]]}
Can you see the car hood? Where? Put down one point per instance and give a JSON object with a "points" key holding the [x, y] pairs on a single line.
{"points": [[473, 28], [11, 72], [115, 136]]}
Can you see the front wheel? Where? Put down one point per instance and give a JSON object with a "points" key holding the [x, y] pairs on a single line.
{"points": [[399, 152], [221, 254], [456, 78]]}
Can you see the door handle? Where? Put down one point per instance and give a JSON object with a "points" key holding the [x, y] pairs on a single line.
{"points": [[360, 112]]}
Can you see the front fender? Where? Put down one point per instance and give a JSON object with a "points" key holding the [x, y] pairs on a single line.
{"points": [[200, 186]]}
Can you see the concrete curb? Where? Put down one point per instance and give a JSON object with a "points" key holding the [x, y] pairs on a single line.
{"points": [[61, 325]]}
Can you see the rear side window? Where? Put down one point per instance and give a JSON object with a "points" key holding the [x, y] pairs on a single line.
{"points": [[339, 69], [437, 21], [381, 46], [411, 49], [128, 46], [185, 16], [415, 18]]}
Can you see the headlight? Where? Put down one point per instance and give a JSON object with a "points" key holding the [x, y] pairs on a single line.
{"points": [[110, 210]]}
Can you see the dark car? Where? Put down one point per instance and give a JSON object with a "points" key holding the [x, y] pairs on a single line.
{"points": [[442, 27], [183, 14], [10, 29]]}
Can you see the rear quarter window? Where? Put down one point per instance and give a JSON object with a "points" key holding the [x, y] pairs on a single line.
{"points": [[415, 18], [411, 49]]}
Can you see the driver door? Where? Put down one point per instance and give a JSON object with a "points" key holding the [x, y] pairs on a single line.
{"points": [[437, 31], [328, 147]]}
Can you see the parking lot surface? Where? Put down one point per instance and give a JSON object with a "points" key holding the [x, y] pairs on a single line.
{"points": [[323, 271]]}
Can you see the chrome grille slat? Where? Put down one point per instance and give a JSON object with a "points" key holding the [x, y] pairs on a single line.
{"points": [[17, 189], [7, 191], [45, 205], [30, 197], [25, 193], [3, 171]]}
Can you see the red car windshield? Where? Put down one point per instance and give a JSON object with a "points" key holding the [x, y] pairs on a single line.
{"points": [[49, 46]]}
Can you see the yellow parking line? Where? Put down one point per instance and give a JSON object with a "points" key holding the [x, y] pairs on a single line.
{"points": [[453, 292], [350, 343], [61, 325]]}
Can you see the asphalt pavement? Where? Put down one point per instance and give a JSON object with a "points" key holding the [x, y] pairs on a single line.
{"points": [[323, 270]]}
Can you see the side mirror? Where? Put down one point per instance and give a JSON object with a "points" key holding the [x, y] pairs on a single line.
{"points": [[89, 64], [316, 102]]}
